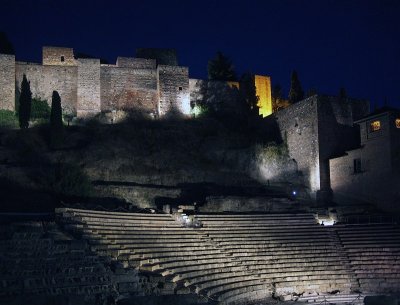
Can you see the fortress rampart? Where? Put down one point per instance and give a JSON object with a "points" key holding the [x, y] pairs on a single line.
{"points": [[153, 83], [88, 87]]}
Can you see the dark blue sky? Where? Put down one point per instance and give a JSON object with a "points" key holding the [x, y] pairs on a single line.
{"points": [[354, 44]]}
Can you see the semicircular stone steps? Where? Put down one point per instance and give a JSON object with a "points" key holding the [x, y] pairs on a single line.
{"points": [[237, 258]]}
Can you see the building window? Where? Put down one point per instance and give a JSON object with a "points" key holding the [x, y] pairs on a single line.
{"points": [[180, 88], [357, 166], [398, 123], [62, 59], [374, 126]]}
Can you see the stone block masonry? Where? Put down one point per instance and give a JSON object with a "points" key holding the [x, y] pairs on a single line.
{"points": [[136, 63], [45, 79], [87, 87], [54, 56], [173, 88], [128, 88], [317, 129], [7, 82], [88, 92]]}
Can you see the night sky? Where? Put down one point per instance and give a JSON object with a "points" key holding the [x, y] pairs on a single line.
{"points": [[331, 44]]}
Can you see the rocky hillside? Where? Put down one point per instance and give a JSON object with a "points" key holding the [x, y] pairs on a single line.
{"points": [[142, 161]]}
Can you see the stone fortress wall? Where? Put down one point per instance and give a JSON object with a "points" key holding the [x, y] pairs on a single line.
{"points": [[153, 83], [7, 81], [87, 87], [317, 129]]}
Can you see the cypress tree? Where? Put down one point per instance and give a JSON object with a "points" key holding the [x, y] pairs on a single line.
{"points": [[296, 93], [221, 68], [25, 102], [56, 123]]}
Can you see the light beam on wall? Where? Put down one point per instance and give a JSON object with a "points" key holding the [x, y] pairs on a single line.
{"points": [[185, 105], [263, 91]]}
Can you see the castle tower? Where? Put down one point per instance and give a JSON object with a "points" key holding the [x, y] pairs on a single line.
{"points": [[263, 91]]}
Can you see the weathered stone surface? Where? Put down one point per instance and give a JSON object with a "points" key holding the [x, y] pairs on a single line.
{"points": [[316, 129], [88, 91], [44, 79], [86, 87], [7, 83], [56, 56], [128, 88], [173, 84]]}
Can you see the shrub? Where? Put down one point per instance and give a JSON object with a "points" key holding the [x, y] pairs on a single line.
{"points": [[40, 109], [8, 119]]}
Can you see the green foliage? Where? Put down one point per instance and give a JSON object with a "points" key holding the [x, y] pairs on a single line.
{"points": [[296, 92], [273, 151], [25, 103], [56, 123], [221, 68], [8, 119], [200, 110], [68, 180], [40, 109]]}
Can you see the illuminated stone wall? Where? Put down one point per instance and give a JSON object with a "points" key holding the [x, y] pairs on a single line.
{"points": [[136, 63], [128, 88], [58, 56], [376, 178], [45, 79], [317, 129], [88, 92], [173, 88], [299, 128], [7, 82], [263, 91]]}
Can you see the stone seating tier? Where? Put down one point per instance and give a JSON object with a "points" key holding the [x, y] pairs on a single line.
{"points": [[242, 257]]}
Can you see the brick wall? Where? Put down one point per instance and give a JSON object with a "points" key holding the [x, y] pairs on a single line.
{"points": [[7, 82]]}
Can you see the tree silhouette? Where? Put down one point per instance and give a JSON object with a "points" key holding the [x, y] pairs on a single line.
{"points": [[296, 93], [56, 123], [221, 68], [6, 46], [25, 102], [248, 93]]}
